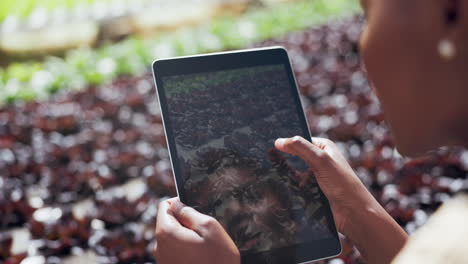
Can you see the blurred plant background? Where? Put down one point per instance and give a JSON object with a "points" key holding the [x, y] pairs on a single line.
{"points": [[83, 160]]}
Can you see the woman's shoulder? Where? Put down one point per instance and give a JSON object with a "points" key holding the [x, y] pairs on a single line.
{"points": [[443, 239]]}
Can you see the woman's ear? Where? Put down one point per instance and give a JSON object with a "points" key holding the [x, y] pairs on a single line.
{"points": [[450, 40], [452, 10]]}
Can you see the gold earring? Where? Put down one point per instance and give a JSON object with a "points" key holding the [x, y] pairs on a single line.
{"points": [[447, 49]]}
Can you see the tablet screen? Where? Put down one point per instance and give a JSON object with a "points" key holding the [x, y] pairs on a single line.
{"points": [[225, 124]]}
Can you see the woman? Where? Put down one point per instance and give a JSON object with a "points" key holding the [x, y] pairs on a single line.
{"points": [[414, 51]]}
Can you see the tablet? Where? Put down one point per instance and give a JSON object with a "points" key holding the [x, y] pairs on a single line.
{"points": [[222, 113]]}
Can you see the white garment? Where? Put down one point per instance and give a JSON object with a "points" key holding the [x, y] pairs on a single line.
{"points": [[443, 239]]}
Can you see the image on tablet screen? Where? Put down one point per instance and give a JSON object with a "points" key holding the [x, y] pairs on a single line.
{"points": [[225, 124]]}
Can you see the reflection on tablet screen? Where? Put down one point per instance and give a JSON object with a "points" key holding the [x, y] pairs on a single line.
{"points": [[225, 124]]}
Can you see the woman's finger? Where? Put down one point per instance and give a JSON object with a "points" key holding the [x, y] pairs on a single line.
{"points": [[168, 226], [321, 143], [298, 146], [200, 223]]}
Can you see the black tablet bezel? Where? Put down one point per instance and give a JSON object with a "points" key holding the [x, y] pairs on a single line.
{"points": [[300, 253]]}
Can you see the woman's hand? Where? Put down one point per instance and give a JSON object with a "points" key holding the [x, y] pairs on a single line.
{"points": [[357, 214], [184, 235], [336, 178]]}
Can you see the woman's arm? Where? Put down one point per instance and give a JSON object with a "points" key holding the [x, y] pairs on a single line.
{"points": [[357, 214], [375, 234]]}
